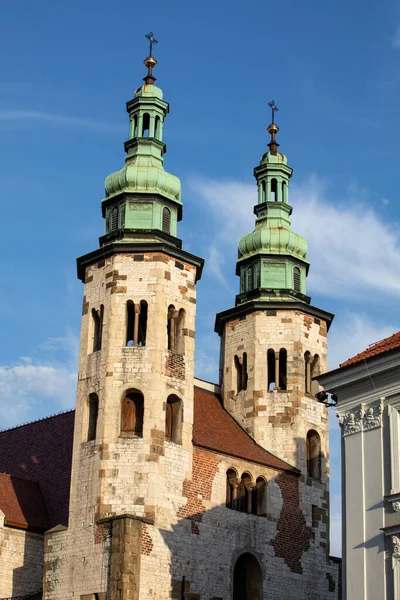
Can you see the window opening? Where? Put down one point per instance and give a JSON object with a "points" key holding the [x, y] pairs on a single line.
{"points": [[142, 323], [130, 323], [239, 373], [166, 220], [296, 279], [114, 218], [135, 126], [247, 578], [260, 497], [307, 371], [146, 125], [283, 191], [274, 190], [231, 488], [173, 420], [93, 414], [132, 413], [315, 371], [282, 369], [313, 454], [271, 369], [97, 316], [175, 330]]}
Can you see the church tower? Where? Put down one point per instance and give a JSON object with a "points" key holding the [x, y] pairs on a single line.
{"points": [[136, 365], [273, 342]]}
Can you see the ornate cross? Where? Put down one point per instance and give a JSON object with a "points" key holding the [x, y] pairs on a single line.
{"points": [[152, 40], [274, 108]]}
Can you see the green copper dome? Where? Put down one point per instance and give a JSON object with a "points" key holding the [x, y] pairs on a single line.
{"points": [[272, 235], [148, 91], [144, 173]]}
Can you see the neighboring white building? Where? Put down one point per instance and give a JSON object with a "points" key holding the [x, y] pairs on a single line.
{"points": [[367, 390]]}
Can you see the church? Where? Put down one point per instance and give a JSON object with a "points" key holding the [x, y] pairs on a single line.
{"points": [[160, 485]]}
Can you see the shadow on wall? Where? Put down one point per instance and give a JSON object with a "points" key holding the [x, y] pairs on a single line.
{"points": [[231, 554]]}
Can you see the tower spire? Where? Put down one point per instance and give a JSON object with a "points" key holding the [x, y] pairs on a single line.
{"points": [[273, 129]]}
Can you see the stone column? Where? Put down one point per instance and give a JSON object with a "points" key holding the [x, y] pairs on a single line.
{"points": [[136, 325], [277, 370]]}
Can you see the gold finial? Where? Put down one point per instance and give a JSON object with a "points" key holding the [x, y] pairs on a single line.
{"points": [[150, 62]]}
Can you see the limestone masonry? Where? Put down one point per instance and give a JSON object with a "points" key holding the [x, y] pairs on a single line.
{"points": [[160, 485]]}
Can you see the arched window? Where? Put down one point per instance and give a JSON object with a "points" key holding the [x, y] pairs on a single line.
{"points": [[241, 372], [157, 129], [315, 371], [307, 372], [114, 218], [136, 323], [173, 420], [271, 369], [97, 317], [260, 497], [264, 192], [296, 280], [313, 454], [247, 577], [282, 369], [175, 330], [283, 191], [231, 488], [166, 220], [244, 495], [141, 340], [274, 190], [93, 406], [250, 278], [132, 411], [171, 326], [146, 125]]}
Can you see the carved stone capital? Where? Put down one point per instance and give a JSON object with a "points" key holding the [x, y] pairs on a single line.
{"points": [[396, 546], [372, 415], [352, 421], [396, 506]]}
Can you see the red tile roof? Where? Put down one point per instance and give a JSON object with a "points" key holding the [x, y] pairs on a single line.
{"points": [[42, 451], [216, 429], [390, 343], [22, 503]]}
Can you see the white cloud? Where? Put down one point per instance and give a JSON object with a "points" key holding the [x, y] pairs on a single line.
{"points": [[352, 333], [35, 387], [353, 251], [8, 115]]}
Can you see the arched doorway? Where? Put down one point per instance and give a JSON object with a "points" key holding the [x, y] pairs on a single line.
{"points": [[247, 578]]}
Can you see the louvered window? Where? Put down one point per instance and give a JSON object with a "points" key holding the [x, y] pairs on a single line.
{"points": [[296, 279], [114, 219], [250, 278], [166, 220]]}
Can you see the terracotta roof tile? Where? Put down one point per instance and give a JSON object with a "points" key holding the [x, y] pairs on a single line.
{"points": [[22, 503], [390, 343], [216, 429], [42, 451]]}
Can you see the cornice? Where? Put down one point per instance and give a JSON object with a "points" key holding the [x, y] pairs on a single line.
{"points": [[364, 417]]}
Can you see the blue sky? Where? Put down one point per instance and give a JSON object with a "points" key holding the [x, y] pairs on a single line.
{"points": [[67, 70]]}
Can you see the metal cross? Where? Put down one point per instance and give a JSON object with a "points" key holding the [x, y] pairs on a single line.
{"points": [[152, 40], [274, 108]]}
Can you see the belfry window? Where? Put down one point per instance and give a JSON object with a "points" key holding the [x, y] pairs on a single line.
{"points": [[271, 369], [146, 125], [264, 192], [173, 420], [175, 330], [245, 490], [274, 190], [241, 372], [315, 371], [296, 279], [136, 323], [132, 410], [312, 369], [93, 409], [157, 128], [250, 278], [313, 454], [282, 369], [114, 218], [166, 220], [284, 189], [97, 317], [260, 497]]}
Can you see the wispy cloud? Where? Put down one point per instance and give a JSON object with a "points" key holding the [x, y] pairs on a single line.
{"points": [[353, 251], [16, 116], [35, 387], [395, 40]]}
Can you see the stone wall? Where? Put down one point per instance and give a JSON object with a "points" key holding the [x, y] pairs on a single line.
{"points": [[21, 562]]}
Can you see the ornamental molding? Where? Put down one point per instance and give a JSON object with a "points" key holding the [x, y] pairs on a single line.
{"points": [[396, 546], [361, 418], [396, 506]]}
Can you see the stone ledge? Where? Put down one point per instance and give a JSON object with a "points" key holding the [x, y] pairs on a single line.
{"points": [[147, 520]]}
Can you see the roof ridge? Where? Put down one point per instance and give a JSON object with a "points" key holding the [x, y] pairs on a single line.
{"points": [[62, 412]]}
